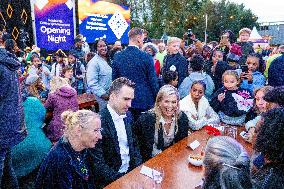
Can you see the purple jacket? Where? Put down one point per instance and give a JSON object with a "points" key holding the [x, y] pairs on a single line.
{"points": [[61, 100]]}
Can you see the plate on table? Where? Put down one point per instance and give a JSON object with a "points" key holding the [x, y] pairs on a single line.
{"points": [[196, 160]]}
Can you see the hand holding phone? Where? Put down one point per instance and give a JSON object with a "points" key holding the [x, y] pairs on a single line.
{"points": [[244, 68]]}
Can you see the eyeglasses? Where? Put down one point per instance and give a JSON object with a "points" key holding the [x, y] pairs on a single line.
{"points": [[98, 130]]}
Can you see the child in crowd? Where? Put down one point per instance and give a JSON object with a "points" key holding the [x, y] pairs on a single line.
{"points": [[41, 70], [171, 78], [252, 79], [247, 47], [260, 106], [67, 73], [79, 72], [231, 102]]}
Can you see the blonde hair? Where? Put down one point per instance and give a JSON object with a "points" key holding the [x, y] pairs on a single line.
{"points": [[80, 118], [165, 90], [172, 40], [232, 73], [245, 30], [57, 83], [32, 88]]}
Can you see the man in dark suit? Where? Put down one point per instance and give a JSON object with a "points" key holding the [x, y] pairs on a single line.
{"points": [[137, 66], [117, 153]]}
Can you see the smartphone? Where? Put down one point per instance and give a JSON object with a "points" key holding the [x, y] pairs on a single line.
{"points": [[39, 65], [244, 68]]}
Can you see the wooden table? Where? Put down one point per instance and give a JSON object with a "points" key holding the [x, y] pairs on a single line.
{"points": [[87, 101], [178, 173]]}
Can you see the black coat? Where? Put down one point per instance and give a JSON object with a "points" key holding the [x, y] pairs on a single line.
{"points": [[179, 62], [107, 152], [145, 131]]}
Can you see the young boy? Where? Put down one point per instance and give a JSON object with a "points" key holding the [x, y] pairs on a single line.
{"points": [[252, 79], [247, 47]]}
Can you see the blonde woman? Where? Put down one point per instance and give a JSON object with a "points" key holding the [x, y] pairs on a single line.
{"points": [[62, 97], [69, 164], [159, 128]]}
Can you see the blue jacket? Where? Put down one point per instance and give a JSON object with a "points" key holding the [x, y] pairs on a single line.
{"points": [[137, 66], [12, 125], [276, 72], [28, 154], [185, 86], [258, 81]]}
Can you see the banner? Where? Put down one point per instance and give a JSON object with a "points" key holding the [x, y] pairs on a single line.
{"points": [[100, 19], [54, 23]]}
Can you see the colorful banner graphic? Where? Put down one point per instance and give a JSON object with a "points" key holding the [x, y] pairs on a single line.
{"points": [[100, 19], [54, 24]]}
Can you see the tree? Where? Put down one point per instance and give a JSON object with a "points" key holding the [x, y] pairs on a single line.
{"points": [[175, 16]]}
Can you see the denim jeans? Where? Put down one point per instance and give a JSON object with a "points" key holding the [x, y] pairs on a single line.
{"points": [[8, 178]]}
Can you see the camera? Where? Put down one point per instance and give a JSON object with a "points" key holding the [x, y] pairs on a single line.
{"points": [[39, 66], [189, 33]]}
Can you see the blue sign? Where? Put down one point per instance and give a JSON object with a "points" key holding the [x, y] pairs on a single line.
{"points": [[54, 25], [111, 24]]}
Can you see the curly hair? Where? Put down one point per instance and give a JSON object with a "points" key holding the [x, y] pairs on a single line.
{"points": [[197, 63], [269, 139], [276, 95]]}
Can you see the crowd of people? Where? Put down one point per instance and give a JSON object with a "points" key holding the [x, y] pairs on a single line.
{"points": [[150, 96]]}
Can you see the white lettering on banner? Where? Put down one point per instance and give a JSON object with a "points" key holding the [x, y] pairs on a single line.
{"points": [[47, 30], [57, 39], [95, 28]]}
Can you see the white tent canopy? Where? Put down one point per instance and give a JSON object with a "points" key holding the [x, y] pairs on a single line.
{"points": [[257, 39], [254, 36]]}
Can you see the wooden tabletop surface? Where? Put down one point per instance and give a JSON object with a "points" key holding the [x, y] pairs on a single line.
{"points": [[179, 174], [87, 100]]}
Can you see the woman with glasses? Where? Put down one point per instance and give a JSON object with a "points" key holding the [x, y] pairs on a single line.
{"points": [[69, 164], [99, 73]]}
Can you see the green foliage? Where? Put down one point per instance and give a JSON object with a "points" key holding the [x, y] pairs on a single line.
{"points": [[175, 16]]}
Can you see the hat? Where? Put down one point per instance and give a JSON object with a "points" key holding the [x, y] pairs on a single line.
{"points": [[31, 79], [28, 49], [60, 53]]}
